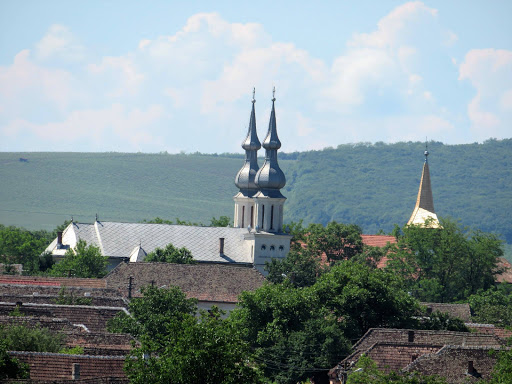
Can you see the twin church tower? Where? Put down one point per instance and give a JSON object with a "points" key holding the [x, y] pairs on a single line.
{"points": [[259, 203]]}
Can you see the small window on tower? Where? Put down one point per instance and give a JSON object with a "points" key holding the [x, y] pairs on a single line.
{"points": [[281, 248], [263, 247], [272, 248]]}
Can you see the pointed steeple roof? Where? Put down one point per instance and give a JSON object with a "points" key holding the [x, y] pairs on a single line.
{"points": [[270, 178], [244, 179], [424, 208]]}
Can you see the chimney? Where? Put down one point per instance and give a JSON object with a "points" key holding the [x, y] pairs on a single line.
{"points": [[59, 240], [75, 373], [411, 336], [221, 245], [471, 368]]}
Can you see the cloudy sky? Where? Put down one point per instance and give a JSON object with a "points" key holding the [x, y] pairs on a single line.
{"points": [[178, 76]]}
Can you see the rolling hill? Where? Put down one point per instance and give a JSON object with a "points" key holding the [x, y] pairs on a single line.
{"points": [[372, 185]]}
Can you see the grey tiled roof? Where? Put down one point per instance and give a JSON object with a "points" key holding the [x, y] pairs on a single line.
{"points": [[119, 240], [205, 282]]}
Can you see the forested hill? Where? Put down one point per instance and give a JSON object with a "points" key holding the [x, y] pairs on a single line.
{"points": [[374, 186]]}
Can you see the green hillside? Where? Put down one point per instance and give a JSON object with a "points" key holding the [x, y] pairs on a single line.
{"points": [[374, 186]]}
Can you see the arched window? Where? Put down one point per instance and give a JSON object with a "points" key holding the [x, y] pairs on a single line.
{"points": [[263, 217], [243, 216], [252, 216], [272, 248], [263, 247], [272, 217]]}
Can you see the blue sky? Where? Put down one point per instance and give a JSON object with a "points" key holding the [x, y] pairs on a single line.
{"points": [[178, 76]]}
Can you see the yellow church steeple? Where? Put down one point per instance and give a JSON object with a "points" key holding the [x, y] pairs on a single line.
{"points": [[424, 208]]}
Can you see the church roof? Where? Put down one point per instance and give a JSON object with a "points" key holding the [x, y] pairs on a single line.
{"points": [[424, 208], [122, 239]]}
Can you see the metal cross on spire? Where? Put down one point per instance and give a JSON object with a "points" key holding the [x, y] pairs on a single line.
{"points": [[253, 94], [426, 148], [274, 94]]}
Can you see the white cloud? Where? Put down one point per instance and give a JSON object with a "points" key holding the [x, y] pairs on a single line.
{"points": [[129, 127], [191, 90], [124, 70], [24, 81], [60, 43], [490, 73]]}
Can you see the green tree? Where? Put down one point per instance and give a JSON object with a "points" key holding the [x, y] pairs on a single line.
{"points": [[502, 371], [363, 297], [17, 245], [294, 337], [171, 254], [83, 261], [23, 338], [222, 221], [337, 241], [11, 368], [150, 313], [179, 348], [301, 267], [493, 306], [445, 264]]}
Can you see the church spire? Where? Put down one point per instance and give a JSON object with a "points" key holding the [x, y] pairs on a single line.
{"points": [[270, 178], [244, 180], [424, 208]]}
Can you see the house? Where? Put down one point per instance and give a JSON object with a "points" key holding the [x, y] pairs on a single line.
{"points": [[256, 236], [64, 368], [396, 349], [457, 364], [210, 284]]}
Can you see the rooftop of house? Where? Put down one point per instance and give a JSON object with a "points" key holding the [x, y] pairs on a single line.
{"points": [[506, 275], [502, 333], [58, 366], [51, 281], [205, 282], [461, 311], [391, 356], [91, 318], [122, 240], [420, 337], [457, 364], [378, 240]]}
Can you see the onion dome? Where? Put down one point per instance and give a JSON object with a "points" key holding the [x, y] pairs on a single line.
{"points": [[244, 179], [270, 178]]}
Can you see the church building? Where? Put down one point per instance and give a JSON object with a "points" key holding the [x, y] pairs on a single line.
{"points": [[256, 236]]}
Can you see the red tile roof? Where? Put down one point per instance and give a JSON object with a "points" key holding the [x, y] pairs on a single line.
{"points": [[506, 276], [502, 333], [52, 281], [454, 362], [57, 366], [378, 240], [205, 282], [94, 318]]}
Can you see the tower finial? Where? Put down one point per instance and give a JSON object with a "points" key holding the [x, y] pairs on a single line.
{"points": [[426, 149], [253, 94], [274, 94]]}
